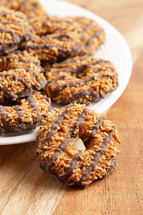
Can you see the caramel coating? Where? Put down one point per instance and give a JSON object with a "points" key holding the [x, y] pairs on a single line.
{"points": [[57, 154], [81, 80], [25, 115]]}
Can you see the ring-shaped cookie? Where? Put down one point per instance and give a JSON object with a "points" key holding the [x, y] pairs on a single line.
{"points": [[20, 73], [81, 79], [57, 154]]}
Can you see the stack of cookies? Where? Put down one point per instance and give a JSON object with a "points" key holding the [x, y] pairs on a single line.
{"points": [[44, 58]]}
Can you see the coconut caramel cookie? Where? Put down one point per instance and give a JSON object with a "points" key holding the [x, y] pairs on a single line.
{"points": [[20, 73], [81, 80], [58, 155], [31, 8], [86, 31], [52, 48], [25, 115], [14, 28]]}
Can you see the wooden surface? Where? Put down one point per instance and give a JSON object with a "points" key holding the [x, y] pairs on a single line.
{"points": [[26, 189]]}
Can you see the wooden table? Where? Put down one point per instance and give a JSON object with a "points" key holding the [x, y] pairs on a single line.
{"points": [[25, 188]]}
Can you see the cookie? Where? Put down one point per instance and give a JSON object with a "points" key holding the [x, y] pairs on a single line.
{"points": [[20, 73], [31, 8], [88, 32], [52, 48], [25, 115], [81, 80], [57, 154]]}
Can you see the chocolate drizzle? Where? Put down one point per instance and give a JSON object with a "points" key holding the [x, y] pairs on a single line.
{"points": [[73, 84], [22, 60], [74, 60], [94, 94], [81, 68], [95, 128], [112, 166], [89, 24], [19, 113], [3, 115], [58, 79], [43, 46], [63, 145], [55, 125], [23, 93], [69, 170], [41, 83], [33, 104], [95, 35], [13, 35], [97, 156], [12, 23]]}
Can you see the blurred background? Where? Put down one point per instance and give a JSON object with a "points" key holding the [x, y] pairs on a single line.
{"points": [[125, 15]]}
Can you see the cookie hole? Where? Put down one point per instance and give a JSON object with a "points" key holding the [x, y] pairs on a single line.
{"points": [[78, 144]]}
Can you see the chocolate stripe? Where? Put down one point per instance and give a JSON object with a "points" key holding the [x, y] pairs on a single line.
{"points": [[9, 94], [33, 104], [22, 60], [74, 60], [58, 79], [41, 82], [72, 166], [3, 115], [56, 124], [94, 36], [15, 36], [58, 37], [97, 155], [86, 29], [73, 84], [95, 128], [23, 93], [16, 78], [63, 145], [43, 46], [94, 94], [12, 23], [19, 113], [81, 68], [112, 166], [3, 14]]}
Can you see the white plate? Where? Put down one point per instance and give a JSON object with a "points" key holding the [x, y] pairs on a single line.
{"points": [[115, 49]]}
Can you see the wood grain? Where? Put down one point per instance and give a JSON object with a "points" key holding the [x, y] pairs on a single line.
{"points": [[26, 189]]}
